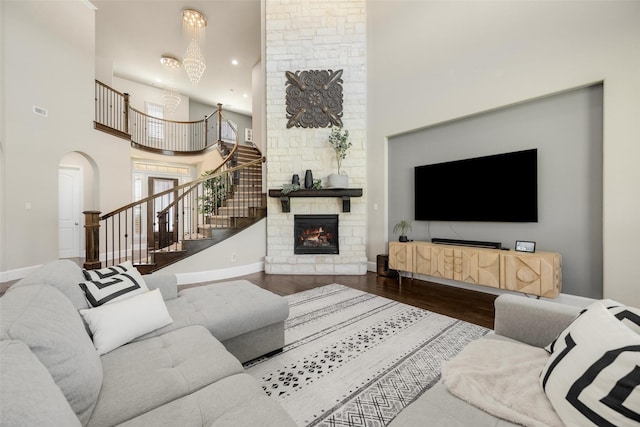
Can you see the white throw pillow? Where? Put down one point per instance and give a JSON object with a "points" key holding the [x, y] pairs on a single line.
{"points": [[630, 316], [114, 288], [113, 325], [593, 375], [103, 273]]}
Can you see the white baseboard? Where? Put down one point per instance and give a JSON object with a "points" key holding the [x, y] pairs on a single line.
{"points": [[226, 273]]}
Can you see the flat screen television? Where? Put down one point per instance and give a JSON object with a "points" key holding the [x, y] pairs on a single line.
{"points": [[496, 188]]}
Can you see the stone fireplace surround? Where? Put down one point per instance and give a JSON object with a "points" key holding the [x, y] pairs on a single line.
{"points": [[337, 32]]}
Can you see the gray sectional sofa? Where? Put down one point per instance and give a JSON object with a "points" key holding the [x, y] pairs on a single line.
{"points": [[517, 319], [188, 373]]}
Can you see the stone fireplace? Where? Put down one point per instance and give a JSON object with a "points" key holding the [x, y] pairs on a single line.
{"points": [[337, 32], [315, 234]]}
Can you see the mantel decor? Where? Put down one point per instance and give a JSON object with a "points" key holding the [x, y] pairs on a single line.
{"points": [[339, 141], [314, 98]]}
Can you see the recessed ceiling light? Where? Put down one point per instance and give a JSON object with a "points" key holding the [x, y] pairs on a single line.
{"points": [[245, 95], [234, 62]]}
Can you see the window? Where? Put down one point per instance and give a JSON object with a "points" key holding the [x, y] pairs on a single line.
{"points": [[155, 127]]}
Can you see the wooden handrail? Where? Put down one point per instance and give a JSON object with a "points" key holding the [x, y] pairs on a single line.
{"points": [[180, 187]]}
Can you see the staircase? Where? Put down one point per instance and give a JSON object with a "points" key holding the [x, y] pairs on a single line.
{"points": [[174, 224], [152, 238], [245, 201]]}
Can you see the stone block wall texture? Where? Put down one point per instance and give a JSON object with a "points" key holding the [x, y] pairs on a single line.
{"points": [[303, 35]]}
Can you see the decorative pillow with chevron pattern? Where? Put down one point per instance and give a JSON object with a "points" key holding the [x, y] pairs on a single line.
{"points": [[593, 375], [108, 271], [114, 288]]}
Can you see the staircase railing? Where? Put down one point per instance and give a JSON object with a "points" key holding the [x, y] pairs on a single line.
{"points": [[113, 114], [162, 223]]}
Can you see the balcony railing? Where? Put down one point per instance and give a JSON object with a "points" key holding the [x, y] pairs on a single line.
{"points": [[114, 115]]}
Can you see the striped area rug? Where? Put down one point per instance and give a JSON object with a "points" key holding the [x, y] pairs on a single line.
{"points": [[356, 359]]}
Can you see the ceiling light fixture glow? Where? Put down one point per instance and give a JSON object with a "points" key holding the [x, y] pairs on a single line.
{"points": [[193, 18], [170, 62]]}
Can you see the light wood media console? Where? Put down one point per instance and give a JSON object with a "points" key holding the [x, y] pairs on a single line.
{"points": [[538, 273]]}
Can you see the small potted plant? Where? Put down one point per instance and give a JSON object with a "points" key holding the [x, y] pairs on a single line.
{"points": [[214, 192], [402, 227], [339, 141]]}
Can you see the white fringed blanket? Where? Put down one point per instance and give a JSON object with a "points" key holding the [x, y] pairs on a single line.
{"points": [[501, 378]]}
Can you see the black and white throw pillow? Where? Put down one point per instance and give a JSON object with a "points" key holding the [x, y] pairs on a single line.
{"points": [[103, 273], [593, 375], [114, 288]]}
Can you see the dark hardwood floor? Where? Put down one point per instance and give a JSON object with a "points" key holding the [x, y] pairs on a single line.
{"points": [[471, 306]]}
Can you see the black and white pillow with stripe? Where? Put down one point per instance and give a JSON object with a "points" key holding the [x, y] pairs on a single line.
{"points": [[108, 271], [116, 287], [593, 375]]}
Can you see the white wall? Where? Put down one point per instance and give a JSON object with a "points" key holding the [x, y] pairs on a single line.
{"points": [[238, 255], [49, 64], [431, 62]]}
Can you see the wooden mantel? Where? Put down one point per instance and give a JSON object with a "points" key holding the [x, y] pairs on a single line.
{"points": [[344, 193]]}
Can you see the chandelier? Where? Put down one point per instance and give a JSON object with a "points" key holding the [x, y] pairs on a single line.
{"points": [[194, 24], [194, 63], [170, 97], [171, 100]]}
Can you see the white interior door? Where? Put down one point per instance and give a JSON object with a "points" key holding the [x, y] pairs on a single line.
{"points": [[69, 215]]}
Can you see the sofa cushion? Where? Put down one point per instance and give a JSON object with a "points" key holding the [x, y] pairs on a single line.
{"points": [[593, 374], [235, 401], [438, 407], [44, 319], [227, 309], [118, 323], [103, 273], [61, 274], [36, 402], [144, 375], [115, 287]]}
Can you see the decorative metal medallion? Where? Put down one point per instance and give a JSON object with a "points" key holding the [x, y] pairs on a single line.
{"points": [[314, 98]]}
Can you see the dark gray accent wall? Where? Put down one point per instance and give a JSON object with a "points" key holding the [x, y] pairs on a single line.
{"points": [[197, 111], [566, 129]]}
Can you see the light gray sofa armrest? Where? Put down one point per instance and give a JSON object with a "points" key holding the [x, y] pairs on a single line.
{"points": [[167, 283], [532, 321]]}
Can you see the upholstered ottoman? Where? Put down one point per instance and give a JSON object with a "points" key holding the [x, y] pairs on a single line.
{"points": [[247, 319]]}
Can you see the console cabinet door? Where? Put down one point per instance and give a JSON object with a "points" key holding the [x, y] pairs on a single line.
{"points": [[424, 260], [478, 266], [537, 273], [401, 256]]}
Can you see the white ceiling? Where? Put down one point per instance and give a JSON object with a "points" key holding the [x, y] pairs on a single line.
{"points": [[135, 34]]}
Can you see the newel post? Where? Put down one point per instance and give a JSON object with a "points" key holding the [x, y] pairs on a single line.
{"points": [[126, 113], [219, 123], [92, 240]]}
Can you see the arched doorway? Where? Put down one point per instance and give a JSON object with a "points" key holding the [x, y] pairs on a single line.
{"points": [[77, 192]]}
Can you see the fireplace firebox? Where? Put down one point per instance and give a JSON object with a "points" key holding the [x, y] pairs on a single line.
{"points": [[315, 234]]}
